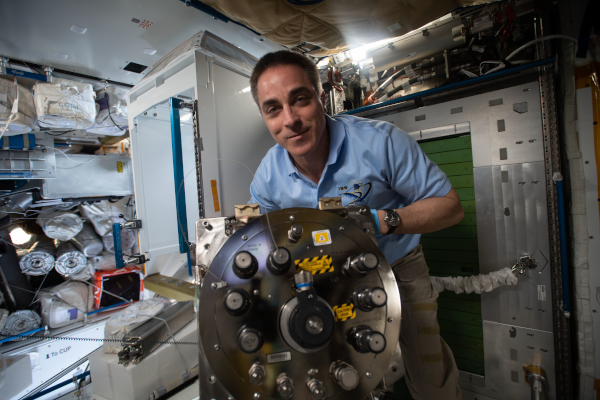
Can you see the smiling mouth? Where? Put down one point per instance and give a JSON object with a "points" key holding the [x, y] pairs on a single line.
{"points": [[297, 136]]}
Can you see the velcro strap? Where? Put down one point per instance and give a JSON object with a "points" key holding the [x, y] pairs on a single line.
{"points": [[429, 330], [425, 307], [433, 358]]}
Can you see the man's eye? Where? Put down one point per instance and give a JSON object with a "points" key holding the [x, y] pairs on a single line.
{"points": [[301, 98]]}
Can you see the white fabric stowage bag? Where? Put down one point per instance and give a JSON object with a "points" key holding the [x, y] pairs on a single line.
{"points": [[65, 104], [24, 120], [111, 107], [104, 261], [133, 316], [65, 304], [61, 225], [103, 214]]}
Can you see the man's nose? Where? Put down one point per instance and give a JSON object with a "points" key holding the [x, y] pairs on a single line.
{"points": [[290, 116]]}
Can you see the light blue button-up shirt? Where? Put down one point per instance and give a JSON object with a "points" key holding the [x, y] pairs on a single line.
{"points": [[370, 162]]}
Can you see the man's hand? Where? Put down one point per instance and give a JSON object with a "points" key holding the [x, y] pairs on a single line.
{"points": [[427, 215]]}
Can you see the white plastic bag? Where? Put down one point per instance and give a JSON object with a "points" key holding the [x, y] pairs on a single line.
{"points": [[66, 303], [61, 225], [111, 106], [128, 239], [104, 214], [133, 316], [104, 261], [65, 104], [24, 120]]}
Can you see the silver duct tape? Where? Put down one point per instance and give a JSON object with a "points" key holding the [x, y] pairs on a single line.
{"points": [[69, 260], [88, 241], [3, 317], [40, 258], [21, 321]]}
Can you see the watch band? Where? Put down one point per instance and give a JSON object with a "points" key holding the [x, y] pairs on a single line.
{"points": [[391, 228]]}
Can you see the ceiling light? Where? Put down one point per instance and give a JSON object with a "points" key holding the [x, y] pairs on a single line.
{"points": [[78, 29], [150, 51], [61, 55]]}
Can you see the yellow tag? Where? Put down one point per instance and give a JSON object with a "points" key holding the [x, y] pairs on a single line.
{"points": [[321, 238], [120, 166], [316, 264], [344, 312]]}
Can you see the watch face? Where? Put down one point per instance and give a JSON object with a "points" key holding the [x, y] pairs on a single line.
{"points": [[391, 218]]}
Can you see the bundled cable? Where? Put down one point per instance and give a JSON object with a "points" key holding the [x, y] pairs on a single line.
{"points": [[476, 283]]}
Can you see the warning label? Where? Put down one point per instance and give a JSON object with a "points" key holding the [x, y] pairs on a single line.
{"points": [[344, 312], [321, 238], [315, 265]]}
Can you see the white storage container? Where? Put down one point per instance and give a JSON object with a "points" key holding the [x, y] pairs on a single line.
{"points": [[24, 120], [65, 304], [65, 104], [111, 107]]}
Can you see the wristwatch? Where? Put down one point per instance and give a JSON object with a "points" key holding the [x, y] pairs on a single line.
{"points": [[391, 219]]}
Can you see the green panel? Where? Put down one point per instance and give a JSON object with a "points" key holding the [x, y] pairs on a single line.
{"points": [[463, 296], [459, 316], [461, 329], [448, 303], [468, 205], [449, 244], [467, 354], [470, 219], [438, 146], [462, 181], [465, 232], [463, 168], [467, 257], [450, 157], [466, 193], [442, 268], [470, 366], [464, 341]]}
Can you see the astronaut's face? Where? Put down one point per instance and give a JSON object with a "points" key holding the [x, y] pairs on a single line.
{"points": [[292, 109]]}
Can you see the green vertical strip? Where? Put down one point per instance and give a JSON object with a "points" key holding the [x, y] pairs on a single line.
{"points": [[454, 252]]}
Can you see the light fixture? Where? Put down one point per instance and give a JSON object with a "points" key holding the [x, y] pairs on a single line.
{"points": [[78, 29], [61, 55], [149, 51], [18, 236]]}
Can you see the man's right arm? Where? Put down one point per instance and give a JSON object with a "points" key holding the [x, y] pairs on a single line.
{"points": [[260, 193]]}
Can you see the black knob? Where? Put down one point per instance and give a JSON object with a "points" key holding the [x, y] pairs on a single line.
{"points": [[244, 265], [236, 302], [367, 298], [366, 340], [295, 232], [250, 340], [362, 265], [279, 261]]}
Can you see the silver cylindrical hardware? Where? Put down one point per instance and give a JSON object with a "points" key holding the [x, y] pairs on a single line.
{"points": [[314, 325], [538, 385], [285, 386], [236, 302], [361, 266], [40, 258], [88, 241], [344, 375], [257, 374], [366, 340], [279, 261], [367, 298], [303, 280], [295, 232], [316, 389], [245, 265], [69, 260], [250, 340], [48, 71]]}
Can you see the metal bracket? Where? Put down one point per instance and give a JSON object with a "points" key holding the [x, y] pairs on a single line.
{"points": [[526, 263], [330, 204], [136, 259], [132, 352]]}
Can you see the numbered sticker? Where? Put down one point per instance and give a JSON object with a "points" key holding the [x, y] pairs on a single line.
{"points": [[321, 238]]}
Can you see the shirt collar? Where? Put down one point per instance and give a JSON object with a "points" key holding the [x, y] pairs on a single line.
{"points": [[337, 134]]}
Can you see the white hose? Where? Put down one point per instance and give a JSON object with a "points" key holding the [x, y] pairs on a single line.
{"points": [[475, 283]]}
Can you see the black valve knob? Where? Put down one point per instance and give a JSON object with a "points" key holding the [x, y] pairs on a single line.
{"points": [[279, 261], [236, 302], [366, 340], [367, 298], [250, 340], [245, 265], [362, 265], [295, 232]]}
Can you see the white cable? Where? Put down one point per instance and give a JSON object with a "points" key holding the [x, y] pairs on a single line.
{"points": [[475, 283], [511, 55], [70, 159]]}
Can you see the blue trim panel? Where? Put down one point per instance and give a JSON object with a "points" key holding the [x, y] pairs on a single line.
{"points": [[118, 247], [178, 177], [30, 75]]}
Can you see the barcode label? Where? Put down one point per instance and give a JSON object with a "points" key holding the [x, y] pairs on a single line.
{"points": [[409, 72], [279, 357]]}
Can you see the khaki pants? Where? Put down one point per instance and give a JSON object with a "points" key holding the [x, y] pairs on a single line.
{"points": [[431, 371]]}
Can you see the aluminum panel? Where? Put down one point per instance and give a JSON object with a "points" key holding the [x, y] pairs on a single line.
{"points": [[37, 164], [522, 137], [84, 175], [512, 222]]}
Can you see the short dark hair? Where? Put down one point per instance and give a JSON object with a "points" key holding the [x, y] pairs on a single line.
{"points": [[284, 57]]}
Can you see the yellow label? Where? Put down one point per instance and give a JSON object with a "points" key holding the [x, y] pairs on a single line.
{"points": [[120, 166], [321, 238], [316, 264], [344, 312]]}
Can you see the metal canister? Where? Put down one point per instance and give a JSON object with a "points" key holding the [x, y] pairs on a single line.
{"points": [[21, 321], [69, 260], [40, 258], [88, 241]]}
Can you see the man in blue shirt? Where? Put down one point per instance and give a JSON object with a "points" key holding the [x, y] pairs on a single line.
{"points": [[365, 162]]}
